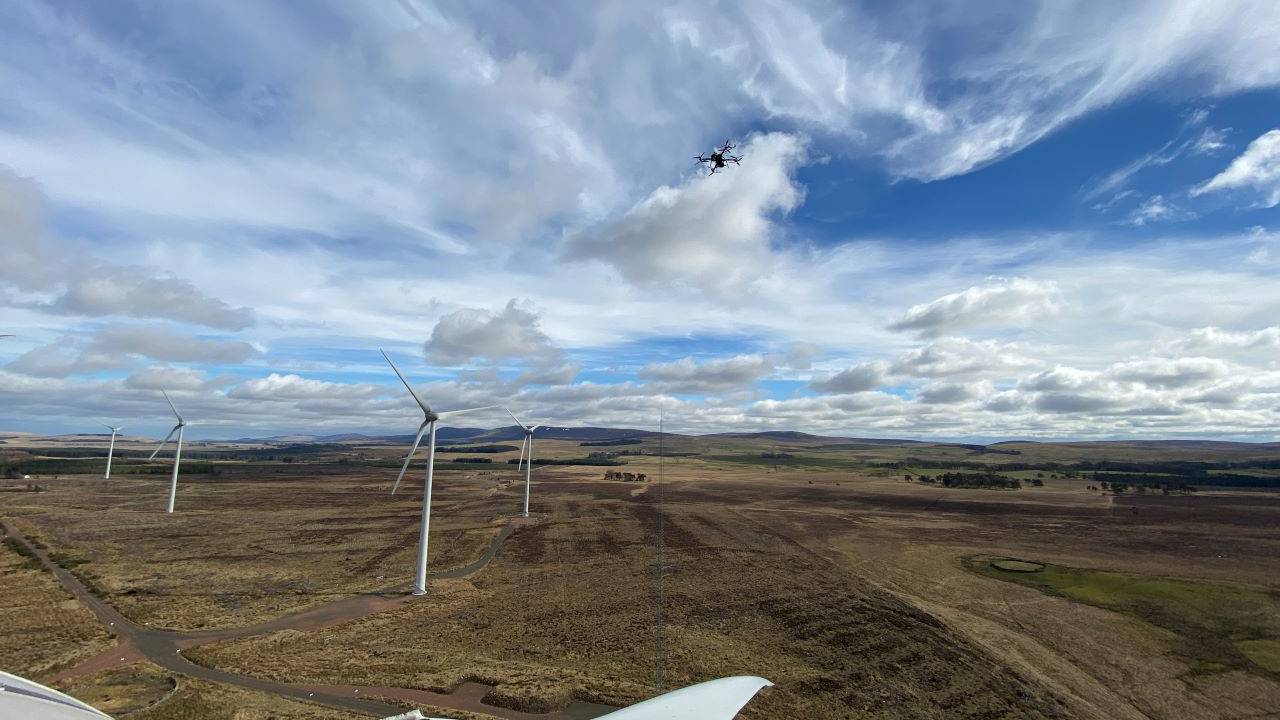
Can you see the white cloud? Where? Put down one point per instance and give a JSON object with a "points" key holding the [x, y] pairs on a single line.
{"points": [[1157, 209], [288, 388], [1211, 141], [163, 343], [710, 233], [859, 378], [470, 333], [962, 356], [1216, 338], [998, 301], [686, 375], [168, 378], [1257, 168], [951, 393], [36, 261], [1170, 372], [119, 346]]}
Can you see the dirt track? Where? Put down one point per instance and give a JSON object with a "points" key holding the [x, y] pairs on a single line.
{"points": [[164, 648]]}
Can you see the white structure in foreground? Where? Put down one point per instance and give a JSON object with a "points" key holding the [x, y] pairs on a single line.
{"points": [[24, 699], [714, 700], [429, 420], [177, 454]]}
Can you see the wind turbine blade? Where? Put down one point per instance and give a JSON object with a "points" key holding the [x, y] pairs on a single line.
{"points": [[416, 441], [108, 427], [535, 427], [513, 417], [520, 462], [425, 407], [171, 407], [166, 439], [713, 700], [451, 413]]}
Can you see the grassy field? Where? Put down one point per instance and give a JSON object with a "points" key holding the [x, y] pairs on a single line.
{"points": [[828, 574], [1217, 626], [45, 629]]}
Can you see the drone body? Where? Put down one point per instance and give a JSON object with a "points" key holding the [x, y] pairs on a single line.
{"points": [[719, 158]]}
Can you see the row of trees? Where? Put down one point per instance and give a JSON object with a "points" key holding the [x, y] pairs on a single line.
{"points": [[1143, 486], [625, 476], [971, 480]]}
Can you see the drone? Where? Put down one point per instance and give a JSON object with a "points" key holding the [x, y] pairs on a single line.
{"points": [[720, 157]]}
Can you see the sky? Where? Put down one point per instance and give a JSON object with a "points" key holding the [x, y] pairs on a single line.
{"points": [[951, 220]]}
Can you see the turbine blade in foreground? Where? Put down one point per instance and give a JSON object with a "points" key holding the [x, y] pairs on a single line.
{"points": [[451, 413], [523, 443], [713, 700], [425, 407], [416, 441], [166, 439], [171, 407], [513, 417]]}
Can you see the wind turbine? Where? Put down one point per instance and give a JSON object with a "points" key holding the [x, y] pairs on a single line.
{"points": [[112, 449], [429, 420], [177, 454], [528, 462]]}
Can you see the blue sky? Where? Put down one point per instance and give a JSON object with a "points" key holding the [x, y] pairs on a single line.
{"points": [[1012, 220]]}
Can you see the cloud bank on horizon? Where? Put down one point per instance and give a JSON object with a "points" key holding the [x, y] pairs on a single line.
{"points": [[1011, 220]]}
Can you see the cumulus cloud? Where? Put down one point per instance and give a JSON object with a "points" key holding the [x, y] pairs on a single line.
{"points": [[950, 393], [119, 346], [800, 355], [470, 333], [1216, 338], [710, 233], [1257, 169], [287, 388], [163, 343], [997, 301], [859, 378], [38, 261], [1169, 372], [961, 356], [686, 375], [167, 378]]}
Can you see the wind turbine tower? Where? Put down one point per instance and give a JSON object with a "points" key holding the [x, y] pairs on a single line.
{"points": [[429, 420], [527, 460], [111, 449], [177, 454]]}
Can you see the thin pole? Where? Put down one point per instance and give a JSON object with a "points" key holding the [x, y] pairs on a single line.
{"points": [[110, 451], [173, 482], [420, 582], [659, 674], [528, 470]]}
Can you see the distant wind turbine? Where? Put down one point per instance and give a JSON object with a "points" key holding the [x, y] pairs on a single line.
{"points": [[177, 454], [429, 420], [112, 449], [528, 461]]}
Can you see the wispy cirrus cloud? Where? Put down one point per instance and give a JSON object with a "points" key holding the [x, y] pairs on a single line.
{"points": [[1256, 169]]}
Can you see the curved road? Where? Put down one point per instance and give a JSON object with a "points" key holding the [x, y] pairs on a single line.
{"points": [[164, 648]]}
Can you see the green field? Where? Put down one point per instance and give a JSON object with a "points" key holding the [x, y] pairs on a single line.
{"points": [[1219, 626]]}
